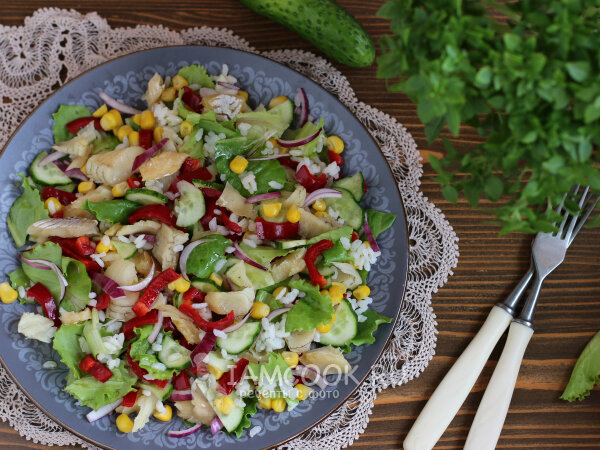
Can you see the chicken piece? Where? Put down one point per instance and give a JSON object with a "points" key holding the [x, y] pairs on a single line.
{"points": [[183, 323], [311, 225], [78, 146], [236, 202], [289, 265], [69, 318], [100, 194], [120, 308], [296, 198], [113, 167], [112, 231], [143, 262], [71, 227], [155, 89], [142, 226], [167, 239], [162, 165]]}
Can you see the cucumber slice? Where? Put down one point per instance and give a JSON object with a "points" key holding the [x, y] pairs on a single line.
{"points": [[48, 174], [205, 285], [218, 362], [178, 300], [285, 245], [126, 250], [173, 355], [348, 209], [161, 393], [241, 339], [145, 196], [353, 184], [230, 421], [344, 328], [190, 206], [285, 110]]}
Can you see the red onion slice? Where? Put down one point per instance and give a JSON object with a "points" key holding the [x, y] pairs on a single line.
{"points": [[321, 193], [216, 425], [36, 263], [240, 254], [150, 238], [267, 158], [310, 374], [185, 254], [48, 265], [51, 157], [228, 86], [156, 329], [185, 432], [115, 104], [181, 396], [206, 345], [109, 285], [301, 101], [238, 325], [77, 174], [277, 312], [142, 284], [261, 197], [105, 410], [299, 142], [141, 159], [369, 234]]}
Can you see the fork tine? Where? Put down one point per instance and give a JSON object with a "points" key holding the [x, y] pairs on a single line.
{"points": [[582, 201], [583, 218], [566, 214]]}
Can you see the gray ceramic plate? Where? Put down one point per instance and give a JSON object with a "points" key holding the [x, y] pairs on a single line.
{"points": [[126, 78]]}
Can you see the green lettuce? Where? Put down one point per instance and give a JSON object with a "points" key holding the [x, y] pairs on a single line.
{"points": [[379, 221], [192, 146], [586, 373], [311, 310], [77, 293], [106, 143], [268, 375], [337, 253], [27, 209], [262, 254], [333, 235], [66, 343], [139, 353], [249, 411], [64, 115], [204, 257], [366, 329], [50, 252], [113, 211], [95, 394], [18, 279], [196, 74]]}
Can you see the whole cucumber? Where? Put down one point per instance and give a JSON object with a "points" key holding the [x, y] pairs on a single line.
{"points": [[325, 24]]}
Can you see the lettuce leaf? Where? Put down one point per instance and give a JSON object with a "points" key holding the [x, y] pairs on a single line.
{"points": [[64, 115], [311, 310], [263, 254], [139, 353], [204, 257], [113, 211], [66, 343], [249, 411], [196, 74], [333, 235], [26, 209], [269, 375], [91, 392], [77, 293], [586, 373], [193, 146], [50, 252], [379, 221], [18, 279], [106, 143], [366, 329]]}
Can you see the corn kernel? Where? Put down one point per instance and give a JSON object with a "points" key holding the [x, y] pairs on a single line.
{"points": [[124, 423], [278, 405], [101, 247], [321, 214], [147, 120], [123, 131], [303, 391], [290, 358], [186, 128], [134, 138], [224, 404], [52, 205], [273, 142], [238, 164], [336, 292], [243, 94], [137, 119], [276, 101], [169, 94], [120, 189], [85, 186], [279, 291], [157, 134], [361, 292], [84, 168], [326, 327], [100, 111], [179, 285], [7, 293], [260, 310], [112, 120], [164, 415], [271, 209], [335, 144], [214, 371], [265, 402], [293, 214], [216, 278], [319, 205], [179, 82]]}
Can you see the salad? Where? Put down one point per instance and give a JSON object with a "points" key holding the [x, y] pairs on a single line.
{"points": [[199, 258]]}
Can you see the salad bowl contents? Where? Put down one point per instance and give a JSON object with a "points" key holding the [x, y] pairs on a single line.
{"points": [[199, 258]]}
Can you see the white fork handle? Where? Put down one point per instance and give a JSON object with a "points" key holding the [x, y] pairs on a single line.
{"points": [[456, 385], [488, 422]]}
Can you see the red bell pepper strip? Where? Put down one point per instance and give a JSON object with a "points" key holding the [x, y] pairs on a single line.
{"points": [[145, 139], [159, 282], [229, 380], [102, 301], [75, 125], [95, 368], [231, 226], [87, 363], [161, 213], [313, 252], [149, 319], [203, 324], [84, 246], [129, 399], [64, 197], [140, 372], [58, 214], [190, 171], [309, 181], [288, 162], [68, 248], [181, 382], [334, 157], [134, 182], [193, 294], [190, 164], [42, 295], [192, 100], [276, 231], [354, 236]]}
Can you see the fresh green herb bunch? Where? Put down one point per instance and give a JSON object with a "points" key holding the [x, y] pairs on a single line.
{"points": [[528, 81]]}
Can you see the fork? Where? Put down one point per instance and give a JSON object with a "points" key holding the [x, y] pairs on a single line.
{"points": [[548, 252], [450, 394]]}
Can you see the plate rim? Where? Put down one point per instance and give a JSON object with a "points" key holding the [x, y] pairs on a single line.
{"points": [[405, 223]]}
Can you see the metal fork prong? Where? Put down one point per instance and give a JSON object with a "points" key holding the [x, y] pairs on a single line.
{"points": [[582, 201], [560, 207], [583, 218]]}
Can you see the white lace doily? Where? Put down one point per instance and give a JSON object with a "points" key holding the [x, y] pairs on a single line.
{"points": [[56, 45]]}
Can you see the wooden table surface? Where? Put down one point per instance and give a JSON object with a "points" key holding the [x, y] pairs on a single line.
{"points": [[489, 265]]}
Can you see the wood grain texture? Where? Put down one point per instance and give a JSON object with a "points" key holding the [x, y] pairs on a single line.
{"points": [[489, 265]]}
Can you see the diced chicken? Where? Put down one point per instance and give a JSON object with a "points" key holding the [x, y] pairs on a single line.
{"points": [[288, 265], [143, 262], [167, 239], [155, 88], [120, 309], [311, 225], [142, 226], [113, 167], [71, 227], [236, 202], [69, 318], [326, 360], [78, 146], [122, 272], [162, 165], [299, 341], [196, 411], [239, 302], [100, 194]]}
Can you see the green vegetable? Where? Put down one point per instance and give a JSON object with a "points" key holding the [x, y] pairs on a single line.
{"points": [[196, 74], [311, 310], [113, 211], [586, 373], [106, 143], [379, 221], [337, 253], [93, 336], [262, 254], [193, 146], [204, 257], [325, 24], [95, 394], [27, 209], [18, 279], [77, 293], [66, 343], [64, 115], [309, 128], [270, 374], [332, 235], [249, 411], [50, 252], [139, 352], [529, 85], [367, 328]]}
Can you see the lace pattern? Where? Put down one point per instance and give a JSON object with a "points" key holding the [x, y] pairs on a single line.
{"points": [[55, 45]]}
